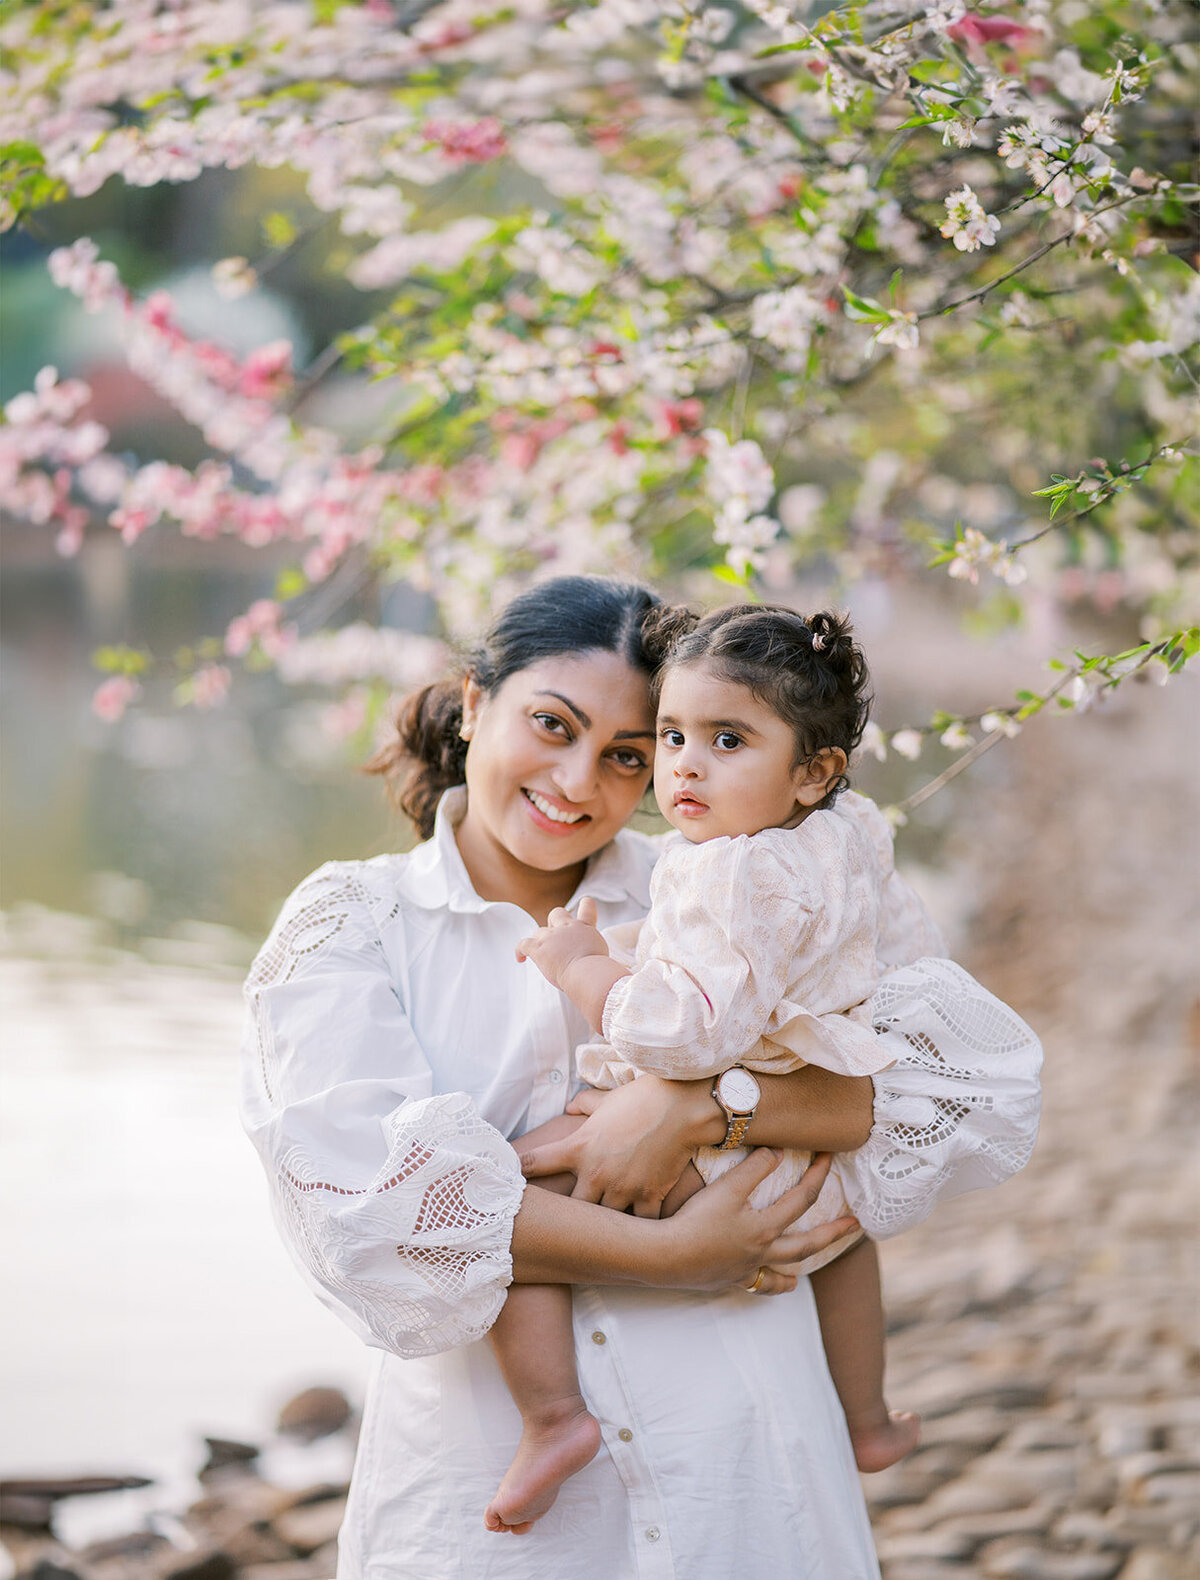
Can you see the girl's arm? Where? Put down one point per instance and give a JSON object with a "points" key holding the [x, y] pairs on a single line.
{"points": [[639, 1138]]}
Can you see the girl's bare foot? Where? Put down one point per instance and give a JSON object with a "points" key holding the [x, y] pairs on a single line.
{"points": [[555, 1444], [885, 1441]]}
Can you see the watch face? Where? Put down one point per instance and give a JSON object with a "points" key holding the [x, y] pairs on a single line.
{"points": [[739, 1090]]}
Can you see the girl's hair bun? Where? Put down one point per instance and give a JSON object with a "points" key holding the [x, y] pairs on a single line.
{"points": [[665, 626], [832, 639]]}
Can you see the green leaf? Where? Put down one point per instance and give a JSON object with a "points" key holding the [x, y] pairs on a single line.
{"points": [[290, 583], [864, 309], [279, 229]]}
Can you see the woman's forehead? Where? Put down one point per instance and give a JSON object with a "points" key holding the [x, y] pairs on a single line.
{"points": [[603, 690]]}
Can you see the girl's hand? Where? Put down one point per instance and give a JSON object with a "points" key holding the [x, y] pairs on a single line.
{"points": [[634, 1145], [717, 1240], [564, 940]]}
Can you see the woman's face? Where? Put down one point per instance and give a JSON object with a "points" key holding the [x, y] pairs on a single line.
{"points": [[560, 756]]}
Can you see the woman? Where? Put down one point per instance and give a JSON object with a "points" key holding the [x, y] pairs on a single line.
{"points": [[395, 1045]]}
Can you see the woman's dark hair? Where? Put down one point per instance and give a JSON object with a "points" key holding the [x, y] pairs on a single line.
{"points": [[567, 615], [808, 670]]}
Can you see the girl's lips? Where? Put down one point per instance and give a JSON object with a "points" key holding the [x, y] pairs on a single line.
{"points": [[549, 825], [688, 806]]}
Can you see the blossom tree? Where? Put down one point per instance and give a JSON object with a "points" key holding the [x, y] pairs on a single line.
{"points": [[675, 289]]}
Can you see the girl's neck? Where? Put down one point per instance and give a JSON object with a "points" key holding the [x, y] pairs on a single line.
{"points": [[497, 875]]}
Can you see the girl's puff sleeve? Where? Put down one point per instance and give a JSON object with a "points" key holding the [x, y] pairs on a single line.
{"points": [[396, 1202], [713, 962]]}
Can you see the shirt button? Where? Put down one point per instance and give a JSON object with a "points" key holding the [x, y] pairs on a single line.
{"points": [[556, 1076], [652, 1534], [625, 1435], [599, 1338]]}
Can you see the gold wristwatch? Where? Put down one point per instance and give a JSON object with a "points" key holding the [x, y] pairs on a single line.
{"points": [[738, 1093]]}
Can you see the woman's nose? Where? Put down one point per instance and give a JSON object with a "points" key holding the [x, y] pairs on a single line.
{"points": [[576, 776]]}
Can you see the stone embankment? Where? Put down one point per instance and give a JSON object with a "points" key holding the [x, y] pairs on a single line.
{"points": [[1048, 1331]]}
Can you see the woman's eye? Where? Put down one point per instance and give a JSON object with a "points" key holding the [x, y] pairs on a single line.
{"points": [[728, 741], [551, 722], [629, 759]]}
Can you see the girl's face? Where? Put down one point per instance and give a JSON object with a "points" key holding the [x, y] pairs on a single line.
{"points": [[560, 756], [726, 762]]}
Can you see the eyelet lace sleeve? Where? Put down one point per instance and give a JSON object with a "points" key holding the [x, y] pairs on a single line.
{"points": [[396, 1203], [959, 1106]]}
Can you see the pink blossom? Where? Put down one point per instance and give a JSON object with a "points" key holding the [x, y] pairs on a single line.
{"points": [[267, 372], [113, 696], [210, 685], [467, 142], [976, 32]]}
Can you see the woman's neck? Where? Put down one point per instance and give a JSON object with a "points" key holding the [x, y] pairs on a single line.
{"points": [[496, 874]]}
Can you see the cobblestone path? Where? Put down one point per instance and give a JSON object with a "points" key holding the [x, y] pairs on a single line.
{"points": [[1048, 1330]]}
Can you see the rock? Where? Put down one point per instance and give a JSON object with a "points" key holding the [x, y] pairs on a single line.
{"points": [[316, 1412], [1083, 1526], [26, 1511], [135, 1544], [224, 1451], [1182, 1487], [212, 1566], [47, 1569], [1037, 1563], [1157, 1565], [935, 1545], [56, 1487], [986, 1527], [312, 1525]]}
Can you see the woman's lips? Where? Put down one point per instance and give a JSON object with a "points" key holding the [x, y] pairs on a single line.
{"points": [[542, 815]]}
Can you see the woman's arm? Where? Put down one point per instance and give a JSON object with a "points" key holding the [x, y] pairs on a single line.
{"points": [[714, 1241], [638, 1139]]}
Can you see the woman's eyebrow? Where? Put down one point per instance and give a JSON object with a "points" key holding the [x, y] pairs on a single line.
{"points": [[618, 735]]}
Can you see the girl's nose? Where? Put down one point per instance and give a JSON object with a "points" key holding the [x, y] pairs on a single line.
{"points": [[685, 768]]}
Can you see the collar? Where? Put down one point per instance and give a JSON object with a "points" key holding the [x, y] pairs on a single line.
{"points": [[435, 876]]}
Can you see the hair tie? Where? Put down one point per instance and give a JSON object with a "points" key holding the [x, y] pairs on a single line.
{"points": [[818, 642]]}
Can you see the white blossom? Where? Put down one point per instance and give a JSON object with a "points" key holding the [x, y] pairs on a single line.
{"points": [[967, 223], [907, 743]]}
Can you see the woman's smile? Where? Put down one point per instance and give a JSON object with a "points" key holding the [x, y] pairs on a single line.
{"points": [[552, 814]]}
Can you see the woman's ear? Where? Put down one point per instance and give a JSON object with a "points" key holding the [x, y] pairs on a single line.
{"points": [[472, 696], [814, 777]]}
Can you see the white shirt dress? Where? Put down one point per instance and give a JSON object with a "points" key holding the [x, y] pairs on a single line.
{"points": [[393, 1045]]}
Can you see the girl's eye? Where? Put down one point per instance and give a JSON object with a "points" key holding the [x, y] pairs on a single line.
{"points": [[671, 737], [728, 741]]}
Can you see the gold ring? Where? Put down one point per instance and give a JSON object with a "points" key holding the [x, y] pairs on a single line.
{"points": [[752, 1289]]}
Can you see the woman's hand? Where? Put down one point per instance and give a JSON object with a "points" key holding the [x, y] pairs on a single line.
{"points": [[633, 1146], [717, 1239]]}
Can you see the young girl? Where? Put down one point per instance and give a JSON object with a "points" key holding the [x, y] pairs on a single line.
{"points": [[759, 953]]}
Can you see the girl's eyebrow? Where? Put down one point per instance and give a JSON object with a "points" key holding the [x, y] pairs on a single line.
{"points": [[738, 726], [586, 723]]}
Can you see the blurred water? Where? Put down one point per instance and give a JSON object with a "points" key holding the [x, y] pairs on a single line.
{"points": [[150, 1300]]}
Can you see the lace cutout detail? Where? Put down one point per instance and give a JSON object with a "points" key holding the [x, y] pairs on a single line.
{"points": [[959, 1107], [415, 1251], [333, 903], [419, 1254]]}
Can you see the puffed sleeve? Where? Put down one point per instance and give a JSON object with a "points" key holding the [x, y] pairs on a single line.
{"points": [[724, 930], [396, 1202], [958, 1106]]}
